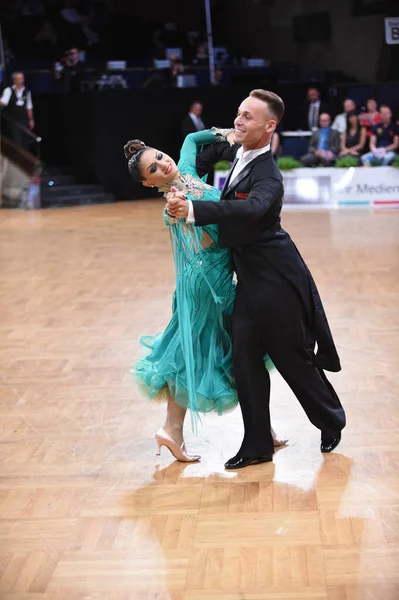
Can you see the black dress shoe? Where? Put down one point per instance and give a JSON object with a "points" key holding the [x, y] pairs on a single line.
{"points": [[328, 443], [238, 462]]}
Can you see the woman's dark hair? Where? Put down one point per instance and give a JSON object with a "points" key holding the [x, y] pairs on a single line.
{"points": [[374, 100], [133, 152], [351, 113]]}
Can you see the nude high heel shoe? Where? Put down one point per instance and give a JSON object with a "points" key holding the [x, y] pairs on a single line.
{"points": [[179, 452], [277, 441]]}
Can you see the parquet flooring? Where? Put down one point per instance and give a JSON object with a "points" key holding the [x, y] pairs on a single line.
{"points": [[88, 512]]}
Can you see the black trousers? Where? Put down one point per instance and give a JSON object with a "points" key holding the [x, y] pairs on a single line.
{"points": [[18, 136], [281, 331]]}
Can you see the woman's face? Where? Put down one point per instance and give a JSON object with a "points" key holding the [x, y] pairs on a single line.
{"points": [[157, 168], [371, 105], [353, 120]]}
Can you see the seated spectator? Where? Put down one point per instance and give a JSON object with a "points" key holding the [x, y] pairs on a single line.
{"points": [[324, 145], [371, 117], [201, 57], [218, 78], [340, 121], [176, 68], [384, 140], [354, 138]]}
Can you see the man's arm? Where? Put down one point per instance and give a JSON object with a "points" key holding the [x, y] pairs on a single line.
{"points": [[5, 98], [392, 147], [263, 194], [212, 154], [373, 142], [29, 110]]}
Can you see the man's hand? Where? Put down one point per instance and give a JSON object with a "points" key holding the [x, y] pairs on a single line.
{"points": [[31, 124], [177, 205]]}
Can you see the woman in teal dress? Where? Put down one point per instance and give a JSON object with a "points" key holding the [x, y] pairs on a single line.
{"points": [[190, 363]]}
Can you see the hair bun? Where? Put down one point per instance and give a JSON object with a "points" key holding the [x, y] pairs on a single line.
{"points": [[132, 147]]}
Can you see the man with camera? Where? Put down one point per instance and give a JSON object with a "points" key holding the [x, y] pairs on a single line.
{"points": [[71, 70]]}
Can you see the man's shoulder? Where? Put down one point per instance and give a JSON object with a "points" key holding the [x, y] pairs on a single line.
{"points": [[395, 128], [266, 167]]}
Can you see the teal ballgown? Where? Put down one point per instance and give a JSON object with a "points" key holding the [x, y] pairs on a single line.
{"points": [[193, 356]]}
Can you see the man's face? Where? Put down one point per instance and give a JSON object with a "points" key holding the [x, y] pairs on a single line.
{"points": [[253, 122], [386, 114], [74, 54], [197, 109], [325, 120], [313, 95], [349, 105], [19, 79]]}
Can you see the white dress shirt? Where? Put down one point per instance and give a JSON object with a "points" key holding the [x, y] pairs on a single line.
{"points": [[198, 122], [5, 98], [244, 158], [339, 123], [313, 115]]}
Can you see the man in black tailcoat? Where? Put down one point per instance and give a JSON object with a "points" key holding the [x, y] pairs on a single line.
{"points": [[277, 310]]}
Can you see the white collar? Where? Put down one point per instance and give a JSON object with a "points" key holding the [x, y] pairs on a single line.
{"points": [[14, 87], [251, 153], [193, 116]]}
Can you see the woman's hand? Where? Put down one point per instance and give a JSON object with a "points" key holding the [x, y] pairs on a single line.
{"points": [[230, 138], [177, 205]]}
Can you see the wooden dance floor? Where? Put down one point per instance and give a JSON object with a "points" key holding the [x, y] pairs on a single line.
{"points": [[87, 510]]}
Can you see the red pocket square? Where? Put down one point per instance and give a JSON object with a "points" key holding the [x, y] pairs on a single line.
{"points": [[241, 195]]}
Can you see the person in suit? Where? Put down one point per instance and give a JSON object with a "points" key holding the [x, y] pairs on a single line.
{"points": [[277, 307], [324, 145], [193, 122], [311, 110]]}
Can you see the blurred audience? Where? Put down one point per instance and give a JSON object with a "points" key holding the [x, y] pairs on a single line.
{"points": [[384, 140], [311, 110], [201, 56], [71, 70], [176, 68], [353, 139], [324, 145], [193, 122], [370, 117], [340, 121]]}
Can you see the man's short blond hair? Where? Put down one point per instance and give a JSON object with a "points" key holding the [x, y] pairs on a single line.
{"points": [[274, 103]]}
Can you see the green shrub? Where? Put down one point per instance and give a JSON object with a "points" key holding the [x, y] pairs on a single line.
{"points": [[222, 165], [288, 163], [396, 162], [347, 161]]}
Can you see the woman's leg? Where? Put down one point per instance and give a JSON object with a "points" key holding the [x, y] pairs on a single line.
{"points": [[174, 422]]}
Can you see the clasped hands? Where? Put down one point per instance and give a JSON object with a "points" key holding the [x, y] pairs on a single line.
{"points": [[176, 205]]}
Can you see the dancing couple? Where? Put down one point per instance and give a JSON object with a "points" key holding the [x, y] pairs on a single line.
{"points": [[224, 339]]}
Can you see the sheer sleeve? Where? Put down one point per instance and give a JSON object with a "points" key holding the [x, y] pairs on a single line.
{"points": [[192, 146]]}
